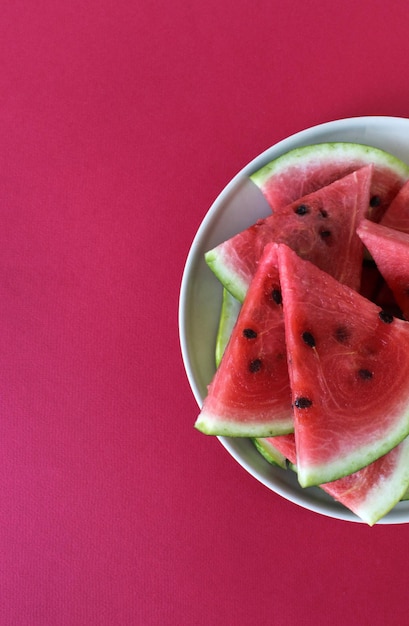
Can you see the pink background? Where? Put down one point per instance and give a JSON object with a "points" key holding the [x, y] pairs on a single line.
{"points": [[120, 122]]}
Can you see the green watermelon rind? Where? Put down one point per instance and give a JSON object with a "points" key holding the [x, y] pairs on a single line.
{"points": [[220, 265], [228, 315], [210, 423], [270, 453], [386, 492], [323, 152], [315, 475], [405, 496]]}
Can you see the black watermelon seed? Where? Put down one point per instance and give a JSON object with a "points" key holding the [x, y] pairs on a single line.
{"points": [[308, 338], [255, 366], [276, 296], [375, 201], [324, 234], [386, 317], [302, 209], [323, 213], [341, 334], [249, 333], [365, 374], [303, 403]]}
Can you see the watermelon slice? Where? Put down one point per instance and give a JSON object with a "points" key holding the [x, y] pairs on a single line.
{"points": [[306, 169], [371, 492], [250, 394], [397, 214], [390, 250], [228, 317], [320, 227], [349, 372]]}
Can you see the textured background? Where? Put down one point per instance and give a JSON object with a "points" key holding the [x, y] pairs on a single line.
{"points": [[120, 122]]}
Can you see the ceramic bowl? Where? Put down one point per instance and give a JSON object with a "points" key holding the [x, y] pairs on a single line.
{"points": [[238, 206]]}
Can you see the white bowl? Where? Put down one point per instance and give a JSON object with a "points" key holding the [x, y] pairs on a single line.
{"points": [[237, 207]]}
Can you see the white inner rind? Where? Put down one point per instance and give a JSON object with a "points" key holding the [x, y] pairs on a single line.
{"points": [[210, 424], [387, 491], [220, 264], [322, 153], [356, 459]]}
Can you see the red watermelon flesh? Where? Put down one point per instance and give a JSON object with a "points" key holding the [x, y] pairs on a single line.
{"points": [[250, 394], [349, 373], [397, 214], [372, 491], [306, 169], [320, 227], [390, 250]]}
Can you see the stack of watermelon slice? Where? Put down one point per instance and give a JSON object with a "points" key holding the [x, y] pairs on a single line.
{"points": [[313, 342]]}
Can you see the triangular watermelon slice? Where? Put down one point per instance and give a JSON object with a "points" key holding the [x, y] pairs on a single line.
{"points": [[371, 492], [250, 394], [304, 170], [390, 250], [349, 372], [320, 227], [397, 214]]}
